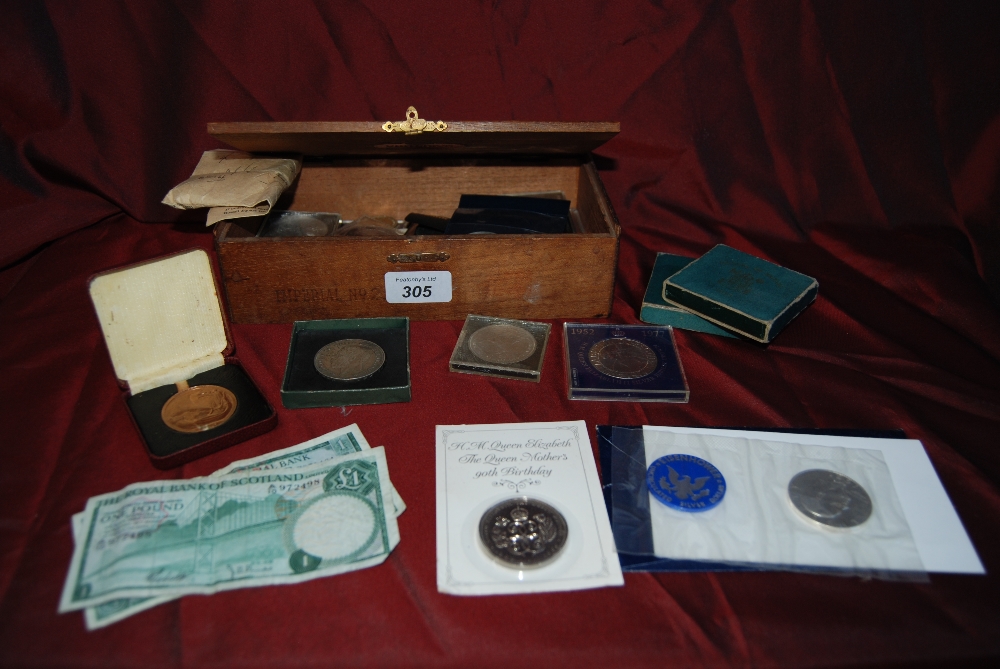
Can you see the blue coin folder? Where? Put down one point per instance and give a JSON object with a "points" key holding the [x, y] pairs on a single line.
{"points": [[740, 292], [621, 452]]}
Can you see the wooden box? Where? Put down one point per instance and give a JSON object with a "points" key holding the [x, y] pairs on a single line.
{"points": [[357, 169]]}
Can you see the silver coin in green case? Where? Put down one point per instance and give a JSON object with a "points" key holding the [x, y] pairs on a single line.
{"points": [[622, 358], [830, 498], [349, 359], [523, 533]]}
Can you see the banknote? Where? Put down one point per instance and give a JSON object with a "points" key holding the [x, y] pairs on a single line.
{"points": [[246, 529], [330, 445], [106, 613], [340, 442]]}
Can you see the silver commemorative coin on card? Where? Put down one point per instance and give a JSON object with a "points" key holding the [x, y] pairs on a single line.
{"points": [[523, 533], [830, 498], [349, 359]]}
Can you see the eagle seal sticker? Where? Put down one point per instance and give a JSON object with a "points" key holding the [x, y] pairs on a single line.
{"points": [[686, 483]]}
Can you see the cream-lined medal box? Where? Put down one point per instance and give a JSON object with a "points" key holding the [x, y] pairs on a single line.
{"points": [[169, 343]]}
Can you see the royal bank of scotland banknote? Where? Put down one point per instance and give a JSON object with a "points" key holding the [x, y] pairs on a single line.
{"points": [[112, 611], [241, 530], [334, 444]]}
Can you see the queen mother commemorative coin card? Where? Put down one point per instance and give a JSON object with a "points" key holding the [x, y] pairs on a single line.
{"points": [[520, 510]]}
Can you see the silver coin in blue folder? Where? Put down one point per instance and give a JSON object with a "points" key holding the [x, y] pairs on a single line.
{"points": [[627, 496], [623, 481], [849, 502]]}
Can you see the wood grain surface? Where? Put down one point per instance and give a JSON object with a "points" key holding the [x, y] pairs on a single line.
{"points": [[461, 137]]}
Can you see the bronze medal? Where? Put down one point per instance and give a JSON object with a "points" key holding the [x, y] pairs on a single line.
{"points": [[198, 409]]}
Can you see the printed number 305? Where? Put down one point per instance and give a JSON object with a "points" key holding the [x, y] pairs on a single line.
{"points": [[416, 291]]}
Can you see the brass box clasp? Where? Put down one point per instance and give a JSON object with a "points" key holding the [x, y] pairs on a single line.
{"points": [[414, 125]]}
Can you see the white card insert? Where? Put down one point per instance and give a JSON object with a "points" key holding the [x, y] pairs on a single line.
{"points": [[481, 465]]}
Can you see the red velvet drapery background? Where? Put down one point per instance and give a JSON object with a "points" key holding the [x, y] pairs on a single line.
{"points": [[855, 142]]}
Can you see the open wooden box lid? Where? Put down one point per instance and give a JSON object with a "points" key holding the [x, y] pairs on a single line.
{"points": [[162, 319], [415, 136]]}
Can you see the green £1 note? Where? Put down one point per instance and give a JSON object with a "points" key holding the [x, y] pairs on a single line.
{"points": [[241, 530], [340, 442]]}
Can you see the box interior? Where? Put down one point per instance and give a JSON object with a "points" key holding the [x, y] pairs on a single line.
{"points": [[397, 187]]}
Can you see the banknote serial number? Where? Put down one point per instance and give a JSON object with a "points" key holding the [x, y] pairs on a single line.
{"points": [[298, 486]]}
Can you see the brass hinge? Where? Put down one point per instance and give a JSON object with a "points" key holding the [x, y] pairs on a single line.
{"points": [[414, 125]]}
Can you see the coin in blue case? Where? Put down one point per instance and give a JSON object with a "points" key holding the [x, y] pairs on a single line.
{"points": [[686, 482]]}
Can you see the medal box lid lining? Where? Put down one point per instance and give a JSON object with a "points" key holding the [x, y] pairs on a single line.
{"points": [[162, 320]]}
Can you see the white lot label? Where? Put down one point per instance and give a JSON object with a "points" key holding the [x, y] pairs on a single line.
{"points": [[406, 287]]}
